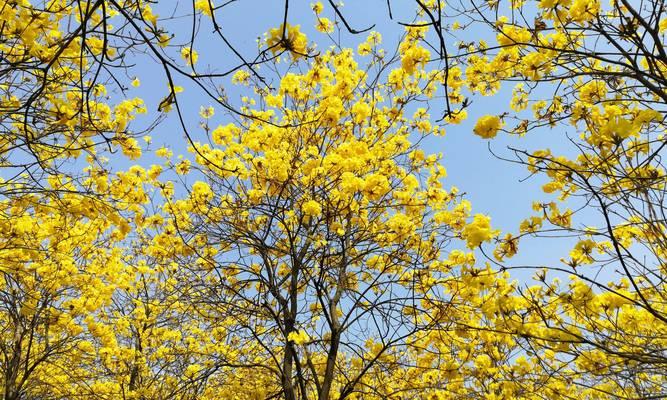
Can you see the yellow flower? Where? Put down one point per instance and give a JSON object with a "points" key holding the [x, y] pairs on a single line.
{"points": [[531, 225], [201, 192], [241, 77], [312, 208], [205, 6], [192, 370], [183, 167], [130, 147], [154, 172], [663, 25], [164, 39], [413, 57], [317, 7], [189, 55], [298, 337], [294, 41], [163, 152], [222, 135], [360, 110], [456, 116], [324, 25], [487, 126], [376, 186], [478, 231], [584, 10], [364, 49], [207, 112]]}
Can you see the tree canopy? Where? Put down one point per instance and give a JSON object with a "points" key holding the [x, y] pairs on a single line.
{"points": [[184, 216]]}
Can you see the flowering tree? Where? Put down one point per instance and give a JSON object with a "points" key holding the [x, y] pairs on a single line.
{"points": [[307, 247], [319, 228], [597, 70]]}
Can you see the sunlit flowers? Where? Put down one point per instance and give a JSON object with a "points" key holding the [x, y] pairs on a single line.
{"points": [[487, 126], [288, 38]]}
